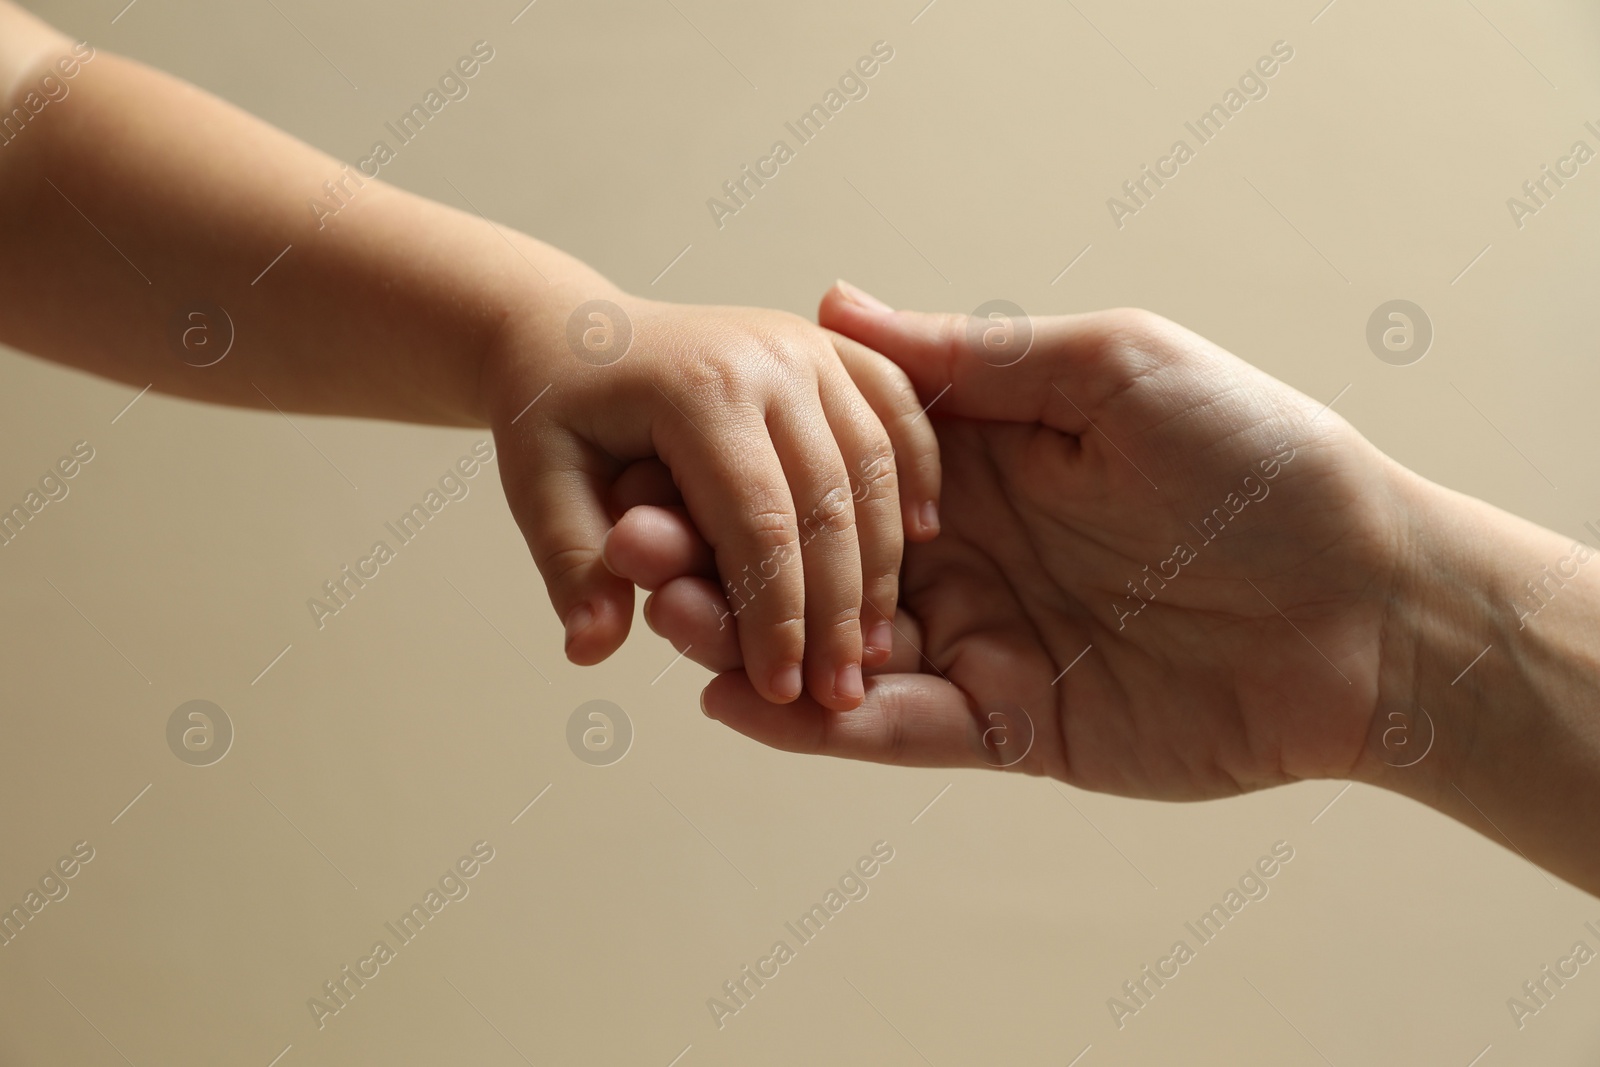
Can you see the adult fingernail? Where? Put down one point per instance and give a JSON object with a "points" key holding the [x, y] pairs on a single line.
{"points": [[847, 683], [578, 620], [787, 682], [930, 517], [880, 637], [860, 297], [705, 710]]}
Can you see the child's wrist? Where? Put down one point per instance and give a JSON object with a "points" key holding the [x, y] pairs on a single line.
{"points": [[531, 347]]}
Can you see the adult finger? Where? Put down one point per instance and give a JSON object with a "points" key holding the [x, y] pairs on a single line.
{"points": [[645, 481], [689, 610], [692, 614], [911, 720], [649, 546]]}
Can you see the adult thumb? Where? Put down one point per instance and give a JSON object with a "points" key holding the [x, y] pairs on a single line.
{"points": [[998, 364], [922, 344]]}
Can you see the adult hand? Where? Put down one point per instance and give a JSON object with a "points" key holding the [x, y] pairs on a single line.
{"points": [[1176, 566]]}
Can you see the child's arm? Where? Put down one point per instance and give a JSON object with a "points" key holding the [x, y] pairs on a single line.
{"points": [[131, 197]]}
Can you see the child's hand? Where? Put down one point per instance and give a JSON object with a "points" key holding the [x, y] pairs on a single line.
{"points": [[799, 454], [411, 310]]}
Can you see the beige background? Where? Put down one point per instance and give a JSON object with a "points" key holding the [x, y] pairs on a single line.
{"points": [[419, 720]]}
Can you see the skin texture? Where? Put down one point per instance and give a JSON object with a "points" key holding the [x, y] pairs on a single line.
{"points": [[1337, 595], [131, 195]]}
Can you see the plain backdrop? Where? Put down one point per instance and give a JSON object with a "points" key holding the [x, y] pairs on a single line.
{"points": [[374, 752]]}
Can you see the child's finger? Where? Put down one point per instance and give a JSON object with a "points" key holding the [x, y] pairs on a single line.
{"points": [[738, 497], [692, 614], [650, 546], [558, 504], [875, 494], [829, 549], [916, 447]]}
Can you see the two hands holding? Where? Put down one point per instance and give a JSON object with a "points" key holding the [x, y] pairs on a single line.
{"points": [[1159, 572], [1162, 573], [1127, 559], [1106, 506]]}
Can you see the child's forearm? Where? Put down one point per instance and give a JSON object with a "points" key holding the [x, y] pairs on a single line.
{"points": [[132, 198]]}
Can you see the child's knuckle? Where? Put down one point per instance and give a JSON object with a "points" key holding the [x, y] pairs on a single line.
{"points": [[834, 513], [877, 477]]}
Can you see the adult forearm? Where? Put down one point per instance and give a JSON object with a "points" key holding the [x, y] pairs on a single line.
{"points": [[1493, 658], [134, 198]]}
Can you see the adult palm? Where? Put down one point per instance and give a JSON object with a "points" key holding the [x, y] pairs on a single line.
{"points": [[1161, 572]]}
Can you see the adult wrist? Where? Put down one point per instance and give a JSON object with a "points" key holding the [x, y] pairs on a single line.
{"points": [[1489, 708], [1443, 611]]}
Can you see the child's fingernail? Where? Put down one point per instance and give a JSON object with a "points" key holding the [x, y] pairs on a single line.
{"points": [[930, 517], [704, 710], [860, 298], [578, 620], [881, 637], [787, 682], [847, 684], [605, 546]]}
